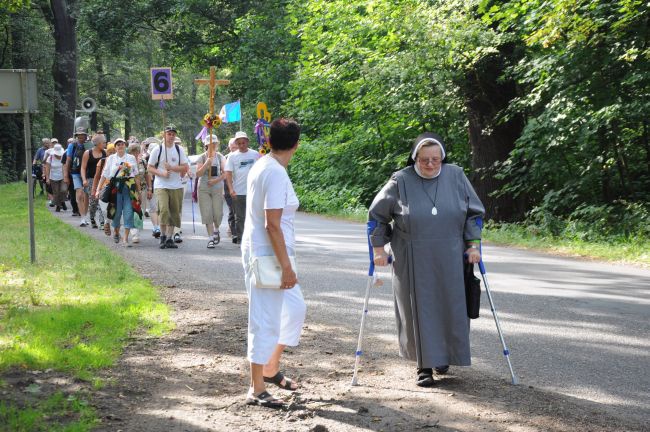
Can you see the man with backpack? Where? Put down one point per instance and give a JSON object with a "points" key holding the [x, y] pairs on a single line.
{"points": [[74, 156], [168, 163]]}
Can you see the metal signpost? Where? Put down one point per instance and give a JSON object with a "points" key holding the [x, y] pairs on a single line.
{"points": [[18, 95]]}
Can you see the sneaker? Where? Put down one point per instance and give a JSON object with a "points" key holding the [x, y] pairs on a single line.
{"points": [[177, 238], [217, 238], [75, 214], [136, 239], [163, 242], [235, 240], [50, 203], [57, 209], [127, 243], [83, 223], [93, 223], [64, 207], [169, 244], [156, 233], [116, 238], [146, 213]]}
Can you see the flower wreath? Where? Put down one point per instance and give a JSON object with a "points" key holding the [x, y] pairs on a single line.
{"points": [[211, 121]]}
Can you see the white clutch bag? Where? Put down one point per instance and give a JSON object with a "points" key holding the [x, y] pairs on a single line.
{"points": [[267, 271]]}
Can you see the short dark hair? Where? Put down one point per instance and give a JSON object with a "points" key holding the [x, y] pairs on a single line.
{"points": [[284, 134]]}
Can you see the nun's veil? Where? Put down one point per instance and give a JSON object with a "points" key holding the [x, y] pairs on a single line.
{"points": [[424, 138]]}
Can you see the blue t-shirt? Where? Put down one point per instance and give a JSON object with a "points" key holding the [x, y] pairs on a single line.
{"points": [[40, 155]]}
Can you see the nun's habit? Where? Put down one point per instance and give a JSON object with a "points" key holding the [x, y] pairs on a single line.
{"points": [[427, 222]]}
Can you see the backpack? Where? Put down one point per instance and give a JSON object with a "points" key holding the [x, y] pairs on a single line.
{"points": [[77, 155]]}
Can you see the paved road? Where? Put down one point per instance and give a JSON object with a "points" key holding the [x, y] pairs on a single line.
{"points": [[574, 327]]}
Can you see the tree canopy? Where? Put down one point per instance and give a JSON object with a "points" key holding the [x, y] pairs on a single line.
{"points": [[544, 103]]}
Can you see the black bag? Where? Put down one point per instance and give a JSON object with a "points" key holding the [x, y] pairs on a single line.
{"points": [[472, 291], [106, 193]]}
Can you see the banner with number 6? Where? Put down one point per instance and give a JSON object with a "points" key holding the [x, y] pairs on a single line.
{"points": [[161, 83]]}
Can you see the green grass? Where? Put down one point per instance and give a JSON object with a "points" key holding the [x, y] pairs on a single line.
{"points": [[57, 413], [628, 250], [75, 308]]}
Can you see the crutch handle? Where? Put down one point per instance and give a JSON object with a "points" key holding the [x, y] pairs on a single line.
{"points": [[370, 227]]}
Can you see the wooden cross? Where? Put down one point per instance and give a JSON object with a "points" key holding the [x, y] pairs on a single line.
{"points": [[212, 82]]}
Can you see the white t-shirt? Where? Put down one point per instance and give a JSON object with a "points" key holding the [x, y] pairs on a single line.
{"points": [[269, 187], [240, 165], [56, 167], [170, 155], [113, 164]]}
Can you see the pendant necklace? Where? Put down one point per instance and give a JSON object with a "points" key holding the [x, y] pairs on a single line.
{"points": [[434, 210]]}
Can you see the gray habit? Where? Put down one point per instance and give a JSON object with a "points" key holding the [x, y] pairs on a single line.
{"points": [[430, 308]]}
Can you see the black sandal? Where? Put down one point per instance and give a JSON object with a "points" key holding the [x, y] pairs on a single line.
{"points": [[264, 399], [425, 378], [277, 380]]}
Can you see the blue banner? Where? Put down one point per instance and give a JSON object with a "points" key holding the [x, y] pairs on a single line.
{"points": [[230, 112]]}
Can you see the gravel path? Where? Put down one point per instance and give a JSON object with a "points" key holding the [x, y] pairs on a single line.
{"points": [[562, 319]]}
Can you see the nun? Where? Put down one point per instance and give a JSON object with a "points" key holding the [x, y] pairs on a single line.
{"points": [[428, 214]]}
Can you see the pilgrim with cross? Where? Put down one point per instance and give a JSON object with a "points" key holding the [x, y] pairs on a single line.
{"points": [[210, 168]]}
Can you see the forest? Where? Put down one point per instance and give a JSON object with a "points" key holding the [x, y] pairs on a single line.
{"points": [[544, 103]]}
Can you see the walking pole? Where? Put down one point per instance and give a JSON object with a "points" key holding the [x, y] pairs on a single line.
{"points": [[371, 280], [506, 352], [192, 201]]}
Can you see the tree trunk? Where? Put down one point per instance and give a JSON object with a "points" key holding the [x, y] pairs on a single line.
{"points": [[487, 94], [64, 69]]}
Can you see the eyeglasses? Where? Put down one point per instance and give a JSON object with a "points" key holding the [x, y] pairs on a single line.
{"points": [[427, 161]]}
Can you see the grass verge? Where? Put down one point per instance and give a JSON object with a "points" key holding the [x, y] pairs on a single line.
{"points": [[626, 250], [73, 310]]}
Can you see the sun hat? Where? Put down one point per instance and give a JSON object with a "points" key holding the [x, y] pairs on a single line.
{"points": [[57, 150], [241, 134], [206, 139]]}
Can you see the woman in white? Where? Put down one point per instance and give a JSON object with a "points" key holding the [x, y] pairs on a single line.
{"points": [[275, 316], [54, 175], [124, 168], [210, 190]]}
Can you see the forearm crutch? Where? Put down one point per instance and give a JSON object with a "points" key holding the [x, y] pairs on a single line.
{"points": [[506, 352], [371, 280]]}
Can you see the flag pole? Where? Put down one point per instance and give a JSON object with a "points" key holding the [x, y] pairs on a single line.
{"points": [[241, 113]]}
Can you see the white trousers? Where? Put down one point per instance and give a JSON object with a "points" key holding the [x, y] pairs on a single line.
{"points": [[275, 316]]}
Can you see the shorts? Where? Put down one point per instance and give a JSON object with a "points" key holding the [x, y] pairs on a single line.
{"points": [[170, 206], [76, 181]]}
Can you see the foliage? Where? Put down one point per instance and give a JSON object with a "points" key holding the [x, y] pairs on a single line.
{"points": [[365, 77], [67, 314]]}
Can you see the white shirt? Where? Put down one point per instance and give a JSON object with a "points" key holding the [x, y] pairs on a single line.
{"points": [[113, 164], [170, 155], [269, 187], [56, 167], [240, 165]]}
